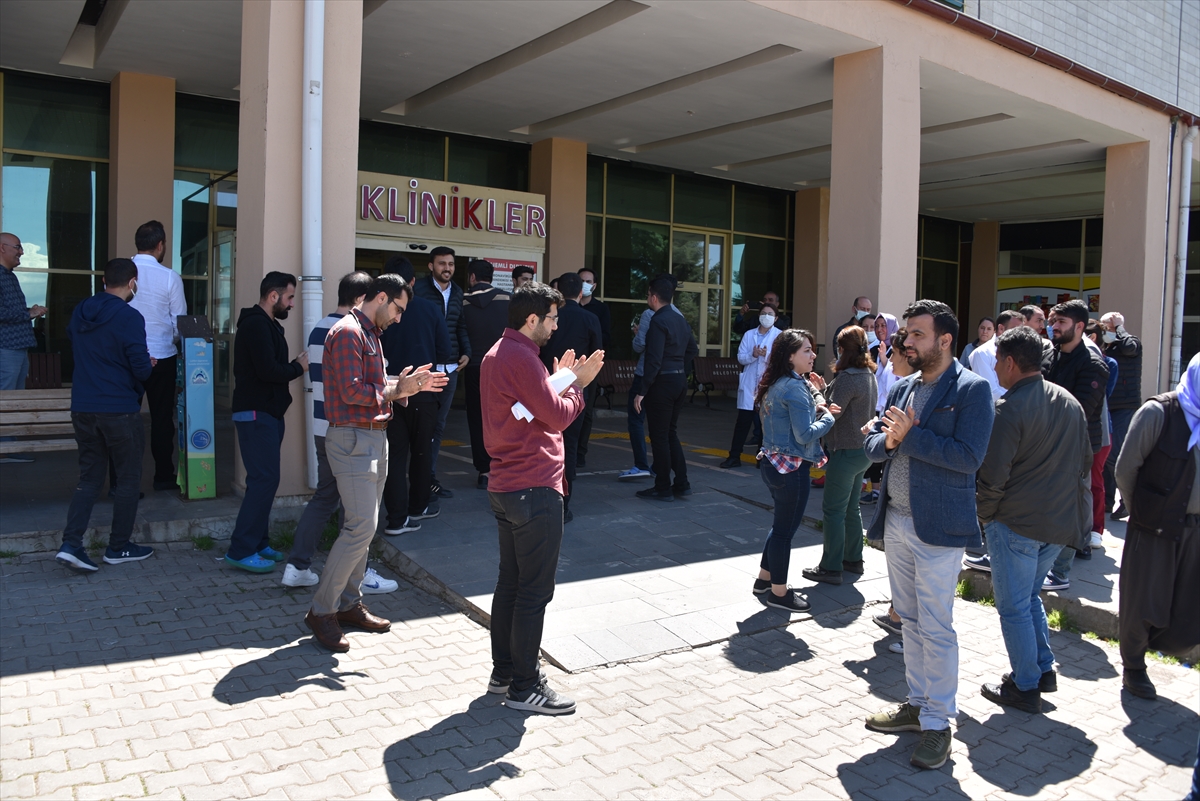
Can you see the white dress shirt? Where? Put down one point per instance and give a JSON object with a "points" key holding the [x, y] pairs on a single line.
{"points": [[983, 363], [160, 300]]}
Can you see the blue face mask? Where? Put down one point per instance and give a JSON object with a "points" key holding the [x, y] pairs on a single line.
{"points": [[588, 288], [859, 314]]}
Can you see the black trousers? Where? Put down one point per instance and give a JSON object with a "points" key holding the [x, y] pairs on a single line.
{"points": [[410, 457], [160, 397], [479, 454], [531, 530], [741, 430], [589, 411], [662, 403], [1159, 588], [571, 440], [105, 439]]}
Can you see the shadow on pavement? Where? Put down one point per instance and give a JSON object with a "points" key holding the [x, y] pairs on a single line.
{"points": [[1079, 658], [766, 651], [883, 673], [279, 672], [1154, 727], [1008, 768], [887, 773], [463, 752]]}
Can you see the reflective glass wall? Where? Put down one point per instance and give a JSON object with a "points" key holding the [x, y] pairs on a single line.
{"points": [[1046, 263]]}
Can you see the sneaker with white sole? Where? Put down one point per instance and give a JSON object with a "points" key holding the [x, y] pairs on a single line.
{"points": [[981, 563], [1054, 582], [375, 584], [1097, 540], [76, 559], [896, 648], [789, 601], [539, 698], [634, 472], [129, 552], [409, 525], [431, 511], [497, 685], [295, 577]]}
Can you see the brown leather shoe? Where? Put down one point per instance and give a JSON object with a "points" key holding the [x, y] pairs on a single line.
{"points": [[359, 617], [327, 632]]}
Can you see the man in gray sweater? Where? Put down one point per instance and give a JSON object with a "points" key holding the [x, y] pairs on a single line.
{"points": [[1032, 496]]}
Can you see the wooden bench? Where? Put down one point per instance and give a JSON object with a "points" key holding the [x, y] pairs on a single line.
{"points": [[41, 413], [715, 374], [615, 376]]}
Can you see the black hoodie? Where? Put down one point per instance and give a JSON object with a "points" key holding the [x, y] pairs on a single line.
{"points": [[108, 338], [485, 315], [261, 370]]}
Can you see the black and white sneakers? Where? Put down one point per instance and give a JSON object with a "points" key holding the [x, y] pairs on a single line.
{"points": [[539, 698], [790, 601]]}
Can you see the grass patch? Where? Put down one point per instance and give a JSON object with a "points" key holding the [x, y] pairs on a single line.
{"points": [[1059, 620], [986, 600], [965, 590], [95, 547], [5, 554], [202, 542], [283, 537]]}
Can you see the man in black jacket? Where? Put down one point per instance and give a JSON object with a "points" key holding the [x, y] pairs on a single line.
{"points": [[261, 374], [485, 315], [1080, 370], [670, 347], [419, 338], [439, 287], [1126, 398], [578, 331], [599, 308]]}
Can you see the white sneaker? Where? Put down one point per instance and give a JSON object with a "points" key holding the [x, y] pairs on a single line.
{"points": [[375, 584], [299, 578], [1097, 539]]}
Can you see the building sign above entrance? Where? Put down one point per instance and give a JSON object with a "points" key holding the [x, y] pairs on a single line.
{"points": [[441, 211]]}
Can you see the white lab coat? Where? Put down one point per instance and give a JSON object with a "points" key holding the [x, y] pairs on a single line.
{"points": [[753, 366]]}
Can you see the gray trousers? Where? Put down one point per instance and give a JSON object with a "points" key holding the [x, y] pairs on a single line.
{"points": [[324, 502], [358, 458]]}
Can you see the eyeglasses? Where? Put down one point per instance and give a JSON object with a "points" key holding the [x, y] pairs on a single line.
{"points": [[553, 317]]}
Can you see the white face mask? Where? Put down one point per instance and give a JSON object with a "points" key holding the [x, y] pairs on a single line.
{"points": [[766, 320], [859, 314], [588, 288], [872, 340], [1109, 337]]}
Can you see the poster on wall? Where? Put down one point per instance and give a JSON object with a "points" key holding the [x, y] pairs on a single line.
{"points": [[1013, 293], [502, 277]]}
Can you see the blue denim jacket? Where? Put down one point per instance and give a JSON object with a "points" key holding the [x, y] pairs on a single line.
{"points": [[946, 448], [789, 420]]}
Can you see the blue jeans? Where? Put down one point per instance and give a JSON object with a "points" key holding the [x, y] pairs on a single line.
{"points": [[259, 440], [1018, 566], [444, 399], [14, 366], [1063, 561], [637, 426], [790, 493], [105, 438]]}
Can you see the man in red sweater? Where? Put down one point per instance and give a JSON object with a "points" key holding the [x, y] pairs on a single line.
{"points": [[526, 489]]}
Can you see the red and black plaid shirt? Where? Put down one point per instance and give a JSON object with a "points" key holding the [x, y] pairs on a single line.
{"points": [[353, 373]]}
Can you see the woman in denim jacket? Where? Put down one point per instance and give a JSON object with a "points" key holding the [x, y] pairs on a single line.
{"points": [[793, 423]]}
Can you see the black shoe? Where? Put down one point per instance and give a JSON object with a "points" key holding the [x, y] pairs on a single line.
{"points": [[568, 516], [823, 575], [165, 485], [1006, 694], [681, 492], [428, 513], [1139, 684], [653, 494], [761, 586], [1048, 683], [732, 461], [854, 567], [539, 698], [482, 481], [886, 623], [790, 601], [498, 684], [1120, 513], [1085, 554], [580, 462], [437, 489]]}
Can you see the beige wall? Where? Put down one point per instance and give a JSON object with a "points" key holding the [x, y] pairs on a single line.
{"points": [[141, 158], [874, 175], [811, 248], [985, 253], [558, 170]]}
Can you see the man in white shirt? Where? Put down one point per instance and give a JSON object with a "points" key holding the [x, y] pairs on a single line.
{"points": [[983, 358], [160, 300]]}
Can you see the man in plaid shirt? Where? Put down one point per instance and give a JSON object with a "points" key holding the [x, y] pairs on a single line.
{"points": [[358, 405]]}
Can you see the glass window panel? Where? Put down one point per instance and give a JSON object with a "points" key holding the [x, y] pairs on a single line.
{"points": [[1063, 261], [687, 256], [758, 266], [940, 240], [1091, 259], [702, 202], [56, 115], [716, 259], [1191, 295], [690, 304], [1191, 340], [716, 310], [206, 133], [595, 186], [1093, 232], [189, 233], [1057, 235], [224, 258], [593, 231], [489, 162], [227, 204], [623, 315], [59, 209], [760, 211], [939, 281], [634, 192], [398, 150], [633, 254], [195, 290]]}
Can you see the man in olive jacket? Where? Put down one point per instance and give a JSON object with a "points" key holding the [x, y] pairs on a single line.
{"points": [[1032, 495]]}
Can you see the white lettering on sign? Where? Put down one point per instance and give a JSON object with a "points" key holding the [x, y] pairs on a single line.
{"points": [[451, 211]]}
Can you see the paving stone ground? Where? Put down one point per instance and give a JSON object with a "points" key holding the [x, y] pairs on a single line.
{"points": [[176, 678]]}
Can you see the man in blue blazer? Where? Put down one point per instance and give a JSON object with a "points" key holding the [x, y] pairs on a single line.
{"points": [[932, 439]]}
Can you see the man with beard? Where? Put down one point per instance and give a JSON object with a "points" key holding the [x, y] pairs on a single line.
{"points": [[525, 488], [932, 439], [261, 374]]}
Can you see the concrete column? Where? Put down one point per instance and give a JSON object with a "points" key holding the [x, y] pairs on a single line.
{"points": [[985, 258], [558, 170], [1131, 264], [141, 158], [269, 185], [874, 177], [339, 169], [810, 283]]}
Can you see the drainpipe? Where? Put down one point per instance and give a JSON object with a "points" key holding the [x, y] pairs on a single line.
{"points": [[311, 292], [1185, 207]]}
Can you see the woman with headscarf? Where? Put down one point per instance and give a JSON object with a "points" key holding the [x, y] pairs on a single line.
{"points": [[1159, 604]]}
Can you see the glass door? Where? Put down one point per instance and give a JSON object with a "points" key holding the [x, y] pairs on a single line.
{"points": [[698, 263], [224, 262]]}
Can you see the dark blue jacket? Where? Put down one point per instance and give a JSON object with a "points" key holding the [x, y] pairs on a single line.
{"points": [[451, 313], [108, 339], [419, 338], [945, 449]]}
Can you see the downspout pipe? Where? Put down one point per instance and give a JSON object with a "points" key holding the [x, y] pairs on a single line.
{"points": [[1181, 248], [311, 277]]}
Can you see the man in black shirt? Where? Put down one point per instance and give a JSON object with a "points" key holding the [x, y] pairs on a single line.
{"points": [[670, 348], [1126, 398], [578, 331], [601, 310]]}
